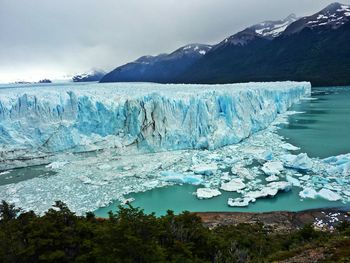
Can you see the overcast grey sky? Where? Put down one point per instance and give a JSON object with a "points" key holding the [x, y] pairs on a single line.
{"points": [[52, 38]]}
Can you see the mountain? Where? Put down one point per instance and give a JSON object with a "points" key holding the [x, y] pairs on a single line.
{"points": [[265, 30], [161, 68], [332, 17], [314, 48], [94, 75]]}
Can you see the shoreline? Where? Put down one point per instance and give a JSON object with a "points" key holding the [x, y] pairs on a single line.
{"points": [[323, 219]]}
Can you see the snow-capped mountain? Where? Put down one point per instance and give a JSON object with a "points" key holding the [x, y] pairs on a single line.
{"points": [[160, 68], [193, 50], [267, 51], [267, 30], [333, 16], [272, 29]]}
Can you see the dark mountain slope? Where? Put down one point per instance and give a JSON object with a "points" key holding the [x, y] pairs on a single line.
{"points": [[320, 55], [161, 68]]}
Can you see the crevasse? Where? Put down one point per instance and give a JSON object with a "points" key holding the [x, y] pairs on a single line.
{"points": [[149, 117]]}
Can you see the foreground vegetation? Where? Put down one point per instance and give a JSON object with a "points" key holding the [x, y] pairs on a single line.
{"points": [[132, 236]]}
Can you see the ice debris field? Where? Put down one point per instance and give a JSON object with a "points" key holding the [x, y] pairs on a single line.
{"points": [[113, 140]]}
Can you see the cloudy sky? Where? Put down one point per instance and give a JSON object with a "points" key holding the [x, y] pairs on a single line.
{"points": [[55, 38]]}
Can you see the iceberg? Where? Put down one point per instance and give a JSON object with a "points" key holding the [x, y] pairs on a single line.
{"points": [[323, 193], [293, 181], [147, 117], [328, 195], [174, 177], [269, 190], [205, 169], [340, 164], [206, 193], [299, 162], [272, 167], [56, 165], [238, 202], [308, 193], [233, 186]]}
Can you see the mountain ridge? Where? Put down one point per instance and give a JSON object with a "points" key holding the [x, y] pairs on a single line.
{"points": [[287, 49]]}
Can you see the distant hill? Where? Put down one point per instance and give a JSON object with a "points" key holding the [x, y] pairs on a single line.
{"points": [[95, 75], [314, 48], [161, 68]]}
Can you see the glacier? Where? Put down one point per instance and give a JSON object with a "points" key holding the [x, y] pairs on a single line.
{"points": [[99, 153], [36, 122]]}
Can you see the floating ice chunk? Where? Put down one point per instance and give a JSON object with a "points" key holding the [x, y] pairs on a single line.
{"points": [[328, 195], [305, 177], [6, 172], [272, 178], [308, 193], [323, 193], [267, 155], [340, 163], [289, 147], [293, 181], [269, 190], [272, 167], [225, 177], [300, 161], [104, 167], [206, 193], [242, 172], [181, 178], [233, 186], [85, 179], [238, 202], [205, 169], [309, 98], [56, 165], [151, 184]]}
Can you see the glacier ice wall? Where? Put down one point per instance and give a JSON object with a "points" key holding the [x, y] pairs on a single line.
{"points": [[149, 117]]}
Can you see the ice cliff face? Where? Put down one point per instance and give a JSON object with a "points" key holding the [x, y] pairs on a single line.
{"points": [[151, 117]]}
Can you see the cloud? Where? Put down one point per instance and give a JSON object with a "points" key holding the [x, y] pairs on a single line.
{"points": [[41, 38]]}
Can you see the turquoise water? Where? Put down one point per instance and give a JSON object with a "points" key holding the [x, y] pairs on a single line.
{"points": [[322, 131], [21, 174], [180, 198]]}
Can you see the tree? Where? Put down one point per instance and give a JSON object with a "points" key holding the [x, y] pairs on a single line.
{"points": [[8, 211]]}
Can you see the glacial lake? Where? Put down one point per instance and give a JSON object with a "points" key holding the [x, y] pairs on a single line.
{"points": [[322, 130]]}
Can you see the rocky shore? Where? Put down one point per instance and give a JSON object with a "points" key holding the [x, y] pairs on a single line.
{"points": [[323, 219]]}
